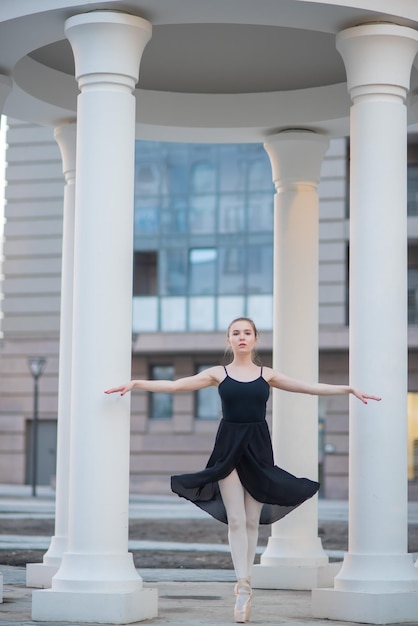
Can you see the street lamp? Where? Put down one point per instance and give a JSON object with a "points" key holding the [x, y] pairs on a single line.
{"points": [[36, 366]]}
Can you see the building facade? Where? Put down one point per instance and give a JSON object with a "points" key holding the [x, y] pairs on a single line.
{"points": [[203, 255]]}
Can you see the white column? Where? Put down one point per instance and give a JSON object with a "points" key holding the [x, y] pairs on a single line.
{"points": [[40, 574], [378, 582], [294, 558], [6, 84], [97, 580]]}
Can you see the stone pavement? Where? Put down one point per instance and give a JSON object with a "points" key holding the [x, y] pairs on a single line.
{"points": [[186, 597]]}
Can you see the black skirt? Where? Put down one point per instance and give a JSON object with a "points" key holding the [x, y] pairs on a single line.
{"points": [[247, 448]]}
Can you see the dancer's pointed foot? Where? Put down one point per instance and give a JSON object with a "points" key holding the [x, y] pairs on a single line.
{"points": [[243, 594]]}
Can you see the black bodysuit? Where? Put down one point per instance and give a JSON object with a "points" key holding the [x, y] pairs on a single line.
{"points": [[243, 443]]}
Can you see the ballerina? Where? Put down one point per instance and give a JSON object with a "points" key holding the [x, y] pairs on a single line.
{"points": [[241, 486]]}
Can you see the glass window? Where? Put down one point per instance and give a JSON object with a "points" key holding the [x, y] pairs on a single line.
{"points": [[232, 169], [260, 212], [203, 178], [146, 219], [145, 314], [145, 273], [204, 231], [260, 269], [202, 214], [229, 308], [173, 274], [201, 313], [231, 270], [147, 178], [147, 151], [260, 309], [174, 218], [173, 314], [202, 268], [231, 213], [161, 404], [234, 260], [176, 169], [207, 400]]}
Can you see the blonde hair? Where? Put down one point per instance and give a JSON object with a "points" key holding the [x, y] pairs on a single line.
{"points": [[228, 351]]}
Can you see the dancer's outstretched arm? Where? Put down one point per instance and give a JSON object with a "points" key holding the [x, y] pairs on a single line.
{"points": [[208, 378], [280, 381]]}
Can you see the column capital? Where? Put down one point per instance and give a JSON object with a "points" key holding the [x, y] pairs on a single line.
{"points": [[378, 58], [107, 43], [65, 136], [296, 158]]}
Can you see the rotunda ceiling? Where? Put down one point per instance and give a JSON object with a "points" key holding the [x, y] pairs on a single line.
{"points": [[221, 70], [225, 58]]}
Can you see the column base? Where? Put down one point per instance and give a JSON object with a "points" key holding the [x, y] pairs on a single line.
{"points": [[40, 575], [112, 608], [368, 608], [296, 577]]}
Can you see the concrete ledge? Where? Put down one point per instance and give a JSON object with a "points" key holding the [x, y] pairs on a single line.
{"points": [[111, 608], [369, 608], [301, 578]]}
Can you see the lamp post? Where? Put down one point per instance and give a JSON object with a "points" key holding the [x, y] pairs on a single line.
{"points": [[36, 367]]}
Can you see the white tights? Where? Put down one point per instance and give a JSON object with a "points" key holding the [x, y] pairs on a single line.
{"points": [[243, 520]]}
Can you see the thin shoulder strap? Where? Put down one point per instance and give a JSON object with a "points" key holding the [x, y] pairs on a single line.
{"points": [[225, 370], [261, 373]]}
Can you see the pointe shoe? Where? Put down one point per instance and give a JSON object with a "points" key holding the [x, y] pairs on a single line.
{"points": [[242, 608]]}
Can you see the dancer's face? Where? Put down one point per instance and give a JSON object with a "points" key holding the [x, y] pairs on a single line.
{"points": [[242, 337]]}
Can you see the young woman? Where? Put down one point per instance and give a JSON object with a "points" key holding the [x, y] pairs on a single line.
{"points": [[240, 485]]}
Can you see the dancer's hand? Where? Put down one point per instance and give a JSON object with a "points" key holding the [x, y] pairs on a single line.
{"points": [[364, 396], [122, 389]]}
